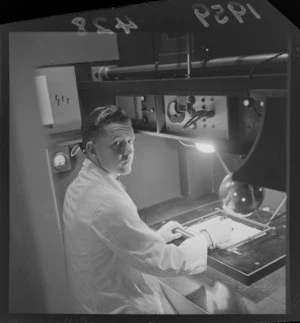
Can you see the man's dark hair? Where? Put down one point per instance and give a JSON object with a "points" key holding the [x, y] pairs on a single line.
{"points": [[98, 118]]}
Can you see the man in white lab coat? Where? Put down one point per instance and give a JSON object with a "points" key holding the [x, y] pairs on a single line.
{"points": [[113, 257]]}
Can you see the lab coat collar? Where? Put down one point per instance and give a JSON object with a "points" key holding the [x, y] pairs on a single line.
{"points": [[100, 172], [91, 165]]}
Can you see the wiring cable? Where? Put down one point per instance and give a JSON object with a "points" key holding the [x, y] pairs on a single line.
{"points": [[250, 78]]}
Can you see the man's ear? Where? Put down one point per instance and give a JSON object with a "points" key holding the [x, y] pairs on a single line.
{"points": [[90, 149]]}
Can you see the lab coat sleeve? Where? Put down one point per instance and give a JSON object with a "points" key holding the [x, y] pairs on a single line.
{"points": [[121, 229]]}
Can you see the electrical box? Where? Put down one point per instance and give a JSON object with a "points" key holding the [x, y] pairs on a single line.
{"points": [[180, 109], [58, 100], [141, 110]]}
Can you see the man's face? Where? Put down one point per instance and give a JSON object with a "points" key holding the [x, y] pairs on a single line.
{"points": [[114, 148]]}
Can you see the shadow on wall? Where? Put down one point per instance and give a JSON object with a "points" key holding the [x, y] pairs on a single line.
{"points": [[155, 171], [154, 177], [22, 250]]}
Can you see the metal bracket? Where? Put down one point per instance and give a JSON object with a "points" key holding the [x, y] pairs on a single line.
{"points": [[99, 73]]}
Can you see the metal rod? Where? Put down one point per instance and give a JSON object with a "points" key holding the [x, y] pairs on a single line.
{"points": [[237, 244], [267, 85], [185, 234], [264, 226], [277, 210], [110, 72]]}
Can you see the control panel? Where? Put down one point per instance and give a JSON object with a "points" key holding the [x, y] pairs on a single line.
{"points": [[195, 116], [141, 109], [203, 116]]}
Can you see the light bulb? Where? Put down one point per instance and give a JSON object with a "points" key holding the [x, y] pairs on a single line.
{"points": [[205, 148]]}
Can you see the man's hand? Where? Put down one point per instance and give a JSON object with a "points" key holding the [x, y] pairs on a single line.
{"points": [[166, 231], [220, 231]]}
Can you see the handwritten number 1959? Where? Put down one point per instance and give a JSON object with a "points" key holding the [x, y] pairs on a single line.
{"points": [[202, 12], [80, 23]]}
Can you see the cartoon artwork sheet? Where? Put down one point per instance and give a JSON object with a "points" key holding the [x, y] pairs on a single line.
{"points": [[240, 231]]}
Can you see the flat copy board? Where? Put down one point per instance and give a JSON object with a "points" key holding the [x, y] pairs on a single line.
{"points": [[240, 231]]}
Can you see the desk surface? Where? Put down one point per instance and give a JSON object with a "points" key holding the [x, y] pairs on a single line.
{"points": [[212, 290]]}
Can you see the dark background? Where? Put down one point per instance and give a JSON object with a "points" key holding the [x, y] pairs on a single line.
{"points": [[171, 16]]}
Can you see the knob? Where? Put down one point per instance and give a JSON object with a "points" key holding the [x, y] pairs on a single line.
{"points": [[193, 126], [191, 111], [191, 100]]}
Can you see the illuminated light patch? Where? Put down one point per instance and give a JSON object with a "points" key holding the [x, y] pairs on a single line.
{"points": [[246, 103], [234, 194], [243, 199], [205, 148]]}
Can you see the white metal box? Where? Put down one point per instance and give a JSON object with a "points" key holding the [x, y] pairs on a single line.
{"points": [[58, 100]]}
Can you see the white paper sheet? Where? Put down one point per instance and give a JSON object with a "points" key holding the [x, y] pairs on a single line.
{"points": [[240, 231]]}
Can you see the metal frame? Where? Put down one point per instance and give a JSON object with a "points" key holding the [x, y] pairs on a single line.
{"points": [[267, 85], [263, 227]]}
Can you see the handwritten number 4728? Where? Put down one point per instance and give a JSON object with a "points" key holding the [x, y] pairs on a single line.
{"points": [[80, 23]]}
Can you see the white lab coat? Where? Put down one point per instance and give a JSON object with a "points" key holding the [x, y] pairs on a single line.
{"points": [[112, 255]]}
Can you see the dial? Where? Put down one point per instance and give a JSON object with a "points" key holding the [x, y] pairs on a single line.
{"points": [[60, 160]]}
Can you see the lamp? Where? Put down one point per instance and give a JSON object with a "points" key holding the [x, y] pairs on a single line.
{"points": [[205, 148], [238, 199]]}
